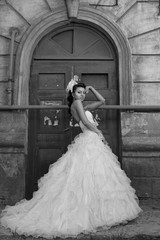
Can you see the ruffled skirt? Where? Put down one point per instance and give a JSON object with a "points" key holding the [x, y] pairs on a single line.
{"points": [[85, 189]]}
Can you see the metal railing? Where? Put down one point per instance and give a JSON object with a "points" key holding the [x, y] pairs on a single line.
{"points": [[134, 108]]}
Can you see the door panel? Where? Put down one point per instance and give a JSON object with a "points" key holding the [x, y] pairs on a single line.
{"points": [[50, 81], [48, 126], [74, 50]]}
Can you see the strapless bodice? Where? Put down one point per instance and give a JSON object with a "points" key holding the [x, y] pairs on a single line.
{"points": [[90, 118]]}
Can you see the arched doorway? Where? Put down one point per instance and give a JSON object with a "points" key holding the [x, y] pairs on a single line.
{"points": [[73, 49]]}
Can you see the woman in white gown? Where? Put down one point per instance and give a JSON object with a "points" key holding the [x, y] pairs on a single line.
{"points": [[85, 189]]}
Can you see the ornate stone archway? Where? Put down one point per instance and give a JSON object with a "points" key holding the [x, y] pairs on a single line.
{"points": [[58, 19]]}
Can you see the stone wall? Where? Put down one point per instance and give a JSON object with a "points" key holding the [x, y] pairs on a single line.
{"points": [[141, 154], [140, 24], [12, 175], [12, 156]]}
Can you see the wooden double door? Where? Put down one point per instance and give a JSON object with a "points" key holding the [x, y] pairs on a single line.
{"points": [[77, 50]]}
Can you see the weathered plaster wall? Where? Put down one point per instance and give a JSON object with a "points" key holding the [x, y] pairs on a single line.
{"points": [[12, 129], [140, 24], [12, 156], [141, 153], [12, 175]]}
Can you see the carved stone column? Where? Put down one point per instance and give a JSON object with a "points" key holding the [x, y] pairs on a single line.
{"points": [[72, 8]]}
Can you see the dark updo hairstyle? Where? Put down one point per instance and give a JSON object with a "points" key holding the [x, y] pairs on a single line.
{"points": [[70, 97]]}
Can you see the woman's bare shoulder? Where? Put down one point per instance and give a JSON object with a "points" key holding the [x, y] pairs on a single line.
{"points": [[77, 102]]}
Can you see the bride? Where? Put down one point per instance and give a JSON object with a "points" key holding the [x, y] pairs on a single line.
{"points": [[85, 189]]}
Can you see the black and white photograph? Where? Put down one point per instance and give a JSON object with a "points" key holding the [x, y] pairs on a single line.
{"points": [[79, 119]]}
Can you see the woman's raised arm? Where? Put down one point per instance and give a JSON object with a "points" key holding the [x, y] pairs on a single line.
{"points": [[100, 98]]}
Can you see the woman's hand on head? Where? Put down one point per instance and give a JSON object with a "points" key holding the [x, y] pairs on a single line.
{"points": [[88, 88]]}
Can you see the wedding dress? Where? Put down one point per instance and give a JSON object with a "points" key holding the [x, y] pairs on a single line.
{"points": [[85, 189]]}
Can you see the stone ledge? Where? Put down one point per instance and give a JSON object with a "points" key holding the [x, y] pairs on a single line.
{"points": [[7, 150], [12, 139], [142, 144]]}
